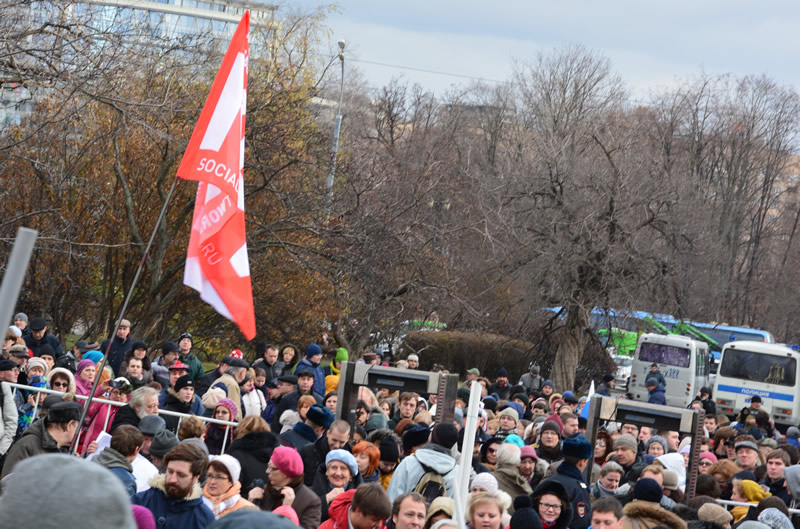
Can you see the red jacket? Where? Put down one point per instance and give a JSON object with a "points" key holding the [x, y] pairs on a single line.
{"points": [[339, 511]]}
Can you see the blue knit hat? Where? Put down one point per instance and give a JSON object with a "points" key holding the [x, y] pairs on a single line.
{"points": [[313, 350], [647, 489], [345, 457]]}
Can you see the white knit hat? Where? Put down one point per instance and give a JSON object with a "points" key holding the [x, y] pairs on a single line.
{"points": [[231, 463]]}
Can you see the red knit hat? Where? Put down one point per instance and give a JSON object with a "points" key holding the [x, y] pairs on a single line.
{"points": [[287, 460]]}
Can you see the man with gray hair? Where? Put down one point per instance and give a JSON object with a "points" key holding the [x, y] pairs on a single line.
{"points": [[144, 402], [507, 474], [237, 371]]}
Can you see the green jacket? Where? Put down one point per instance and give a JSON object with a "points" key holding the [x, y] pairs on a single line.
{"points": [[196, 369]]}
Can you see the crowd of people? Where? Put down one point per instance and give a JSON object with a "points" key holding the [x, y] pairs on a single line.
{"points": [[259, 445]]}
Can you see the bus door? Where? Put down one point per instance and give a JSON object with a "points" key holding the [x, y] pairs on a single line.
{"points": [[676, 357]]}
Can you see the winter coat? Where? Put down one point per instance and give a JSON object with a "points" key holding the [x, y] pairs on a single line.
{"points": [[648, 514], [306, 504], [529, 382], [273, 371], [67, 373], [253, 451], [578, 493], [319, 375], [202, 385], [96, 418], [118, 349], [510, 481], [34, 344], [313, 456], [147, 375], [603, 389], [410, 471], [253, 403], [657, 396], [8, 425], [36, 440], [68, 362], [502, 391], [174, 403], [299, 436], [288, 402], [197, 407], [125, 415], [234, 393], [187, 513], [119, 466], [215, 438], [227, 503], [555, 488], [322, 487], [160, 373], [196, 369]]}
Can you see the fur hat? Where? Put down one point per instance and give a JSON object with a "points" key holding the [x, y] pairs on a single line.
{"points": [[342, 456], [647, 489], [228, 403], [288, 461], [577, 446], [628, 441], [73, 488], [711, 512], [320, 415], [230, 463]]}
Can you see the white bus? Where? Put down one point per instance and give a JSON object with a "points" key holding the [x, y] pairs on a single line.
{"points": [[683, 362], [757, 368]]}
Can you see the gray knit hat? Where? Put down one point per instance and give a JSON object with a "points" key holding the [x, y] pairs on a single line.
{"points": [[628, 441], [76, 492]]}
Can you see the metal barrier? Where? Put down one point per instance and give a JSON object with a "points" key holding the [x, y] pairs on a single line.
{"points": [[227, 424], [739, 503]]}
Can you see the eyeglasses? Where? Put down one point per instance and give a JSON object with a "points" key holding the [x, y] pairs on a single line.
{"points": [[217, 477], [59, 384], [550, 507]]}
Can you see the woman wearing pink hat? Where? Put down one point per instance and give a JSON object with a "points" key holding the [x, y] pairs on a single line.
{"points": [[285, 488]]}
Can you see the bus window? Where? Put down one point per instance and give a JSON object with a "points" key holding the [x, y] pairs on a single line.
{"points": [[664, 354], [759, 367]]}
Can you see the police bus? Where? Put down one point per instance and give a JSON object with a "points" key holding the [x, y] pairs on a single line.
{"points": [[683, 362], [757, 368]]}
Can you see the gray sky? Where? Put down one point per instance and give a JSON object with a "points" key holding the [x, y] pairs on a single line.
{"points": [[650, 44]]}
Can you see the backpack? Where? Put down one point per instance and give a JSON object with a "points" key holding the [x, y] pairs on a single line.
{"points": [[431, 485]]}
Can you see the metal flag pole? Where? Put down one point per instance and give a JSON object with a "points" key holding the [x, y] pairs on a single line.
{"points": [[15, 272], [104, 359]]}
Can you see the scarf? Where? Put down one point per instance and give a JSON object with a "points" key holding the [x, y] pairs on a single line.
{"points": [[603, 491], [739, 512], [334, 370], [548, 525], [220, 504]]}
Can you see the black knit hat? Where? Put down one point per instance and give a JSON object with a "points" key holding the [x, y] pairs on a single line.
{"points": [[389, 450], [184, 381], [551, 426], [647, 489], [524, 516], [445, 434]]}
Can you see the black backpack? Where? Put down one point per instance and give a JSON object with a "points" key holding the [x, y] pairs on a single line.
{"points": [[431, 485]]}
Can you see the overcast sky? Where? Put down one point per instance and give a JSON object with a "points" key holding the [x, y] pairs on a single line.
{"points": [[650, 44]]}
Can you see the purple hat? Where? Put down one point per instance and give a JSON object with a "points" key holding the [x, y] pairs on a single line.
{"points": [[143, 517], [83, 364], [228, 403]]}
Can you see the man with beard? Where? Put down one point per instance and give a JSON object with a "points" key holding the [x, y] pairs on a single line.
{"points": [[175, 496], [144, 402], [501, 386]]}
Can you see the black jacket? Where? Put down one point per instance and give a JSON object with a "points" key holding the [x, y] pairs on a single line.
{"points": [[173, 403], [288, 402], [125, 415], [253, 452], [314, 455], [118, 349], [48, 339], [556, 488], [273, 371], [578, 493], [299, 436]]}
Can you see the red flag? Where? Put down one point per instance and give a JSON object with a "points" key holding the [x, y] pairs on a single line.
{"points": [[216, 263]]}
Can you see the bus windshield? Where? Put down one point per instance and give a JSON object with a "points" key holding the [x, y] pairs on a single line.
{"points": [[759, 367], [664, 354]]}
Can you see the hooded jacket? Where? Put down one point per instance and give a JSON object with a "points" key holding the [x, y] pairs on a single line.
{"points": [[174, 403], [253, 402], [119, 465], [319, 374], [657, 396], [8, 425], [64, 372], [510, 481], [555, 488], [197, 407], [185, 513], [648, 514], [410, 470], [36, 440], [253, 451]]}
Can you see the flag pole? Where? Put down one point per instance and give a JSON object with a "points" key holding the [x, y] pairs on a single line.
{"points": [[104, 359]]}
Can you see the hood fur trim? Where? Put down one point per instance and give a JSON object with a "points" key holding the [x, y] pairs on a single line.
{"points": [[160, 481]]}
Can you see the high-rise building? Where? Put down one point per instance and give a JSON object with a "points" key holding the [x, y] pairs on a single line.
{"points": [[164, 18]]}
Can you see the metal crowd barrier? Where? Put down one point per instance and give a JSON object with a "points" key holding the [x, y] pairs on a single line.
{"points": [[739, 503], [227, 424]]}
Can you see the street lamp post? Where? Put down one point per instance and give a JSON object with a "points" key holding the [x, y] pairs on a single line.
{"points": [[337, 127]]}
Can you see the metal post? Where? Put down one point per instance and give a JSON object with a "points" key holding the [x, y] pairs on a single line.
{"points": [[462, 486], [337, 127], [225, 439], [15, 272]]}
